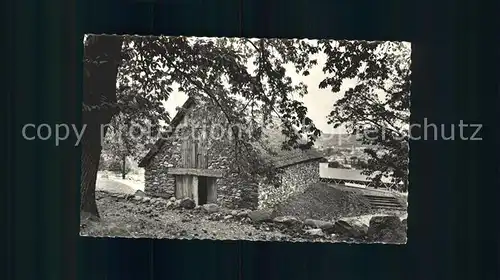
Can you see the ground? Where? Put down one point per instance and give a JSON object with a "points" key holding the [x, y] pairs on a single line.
{"points": [[125, 215], [124, 218]]}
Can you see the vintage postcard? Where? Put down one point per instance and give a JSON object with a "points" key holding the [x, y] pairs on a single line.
{"points": [[294, 140]]}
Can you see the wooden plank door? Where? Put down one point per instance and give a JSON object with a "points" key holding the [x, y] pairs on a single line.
{"points": [[188, 153], [201, 151]]}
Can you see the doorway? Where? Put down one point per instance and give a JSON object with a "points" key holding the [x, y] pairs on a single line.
{"points": [[202, 190]]}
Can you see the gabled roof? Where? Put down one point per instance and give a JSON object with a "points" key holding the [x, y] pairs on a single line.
{"points": [[282, 159], [173, 124]]}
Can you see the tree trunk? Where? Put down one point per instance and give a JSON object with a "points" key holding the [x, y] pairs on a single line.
{"points": [[99, 84], [124, 158], [90, 154]]}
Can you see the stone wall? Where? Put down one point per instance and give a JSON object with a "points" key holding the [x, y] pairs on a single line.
{"points": [[234, 190], [294, 179]]}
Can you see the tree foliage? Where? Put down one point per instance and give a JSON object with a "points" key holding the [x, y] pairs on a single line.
{"points": [[217, 68], [377, 107], [126, 139]]}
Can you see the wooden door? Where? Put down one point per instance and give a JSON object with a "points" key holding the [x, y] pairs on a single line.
{"points": [[194, 152]]}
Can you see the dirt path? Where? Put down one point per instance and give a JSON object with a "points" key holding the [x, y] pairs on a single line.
{"points": [[136, 185], [113, 186]]}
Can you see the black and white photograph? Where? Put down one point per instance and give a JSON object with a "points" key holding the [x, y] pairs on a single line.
{"points": [[258, 139]]}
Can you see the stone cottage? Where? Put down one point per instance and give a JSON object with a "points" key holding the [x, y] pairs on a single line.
{"points": [[201, 120], [299, 169]]}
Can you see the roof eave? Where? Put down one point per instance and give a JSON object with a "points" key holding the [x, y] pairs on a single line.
{"points": [[144, 162]]}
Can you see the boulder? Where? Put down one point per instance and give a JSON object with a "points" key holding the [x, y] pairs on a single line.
{"points": [[350, 229], [210, 208], [405, 223], [187, 203], [286, 220], [315, 232], [140, 193], [263, 215], [216, 216], [324, 225], [243, 214], [386, 229]]}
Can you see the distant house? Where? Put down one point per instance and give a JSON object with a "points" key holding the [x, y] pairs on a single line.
{"points": [[236, 188]]}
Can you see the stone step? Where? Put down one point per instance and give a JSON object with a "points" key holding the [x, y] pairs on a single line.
{"points": [[387, 204], [384, 202], [389, 208], [379, 197]]}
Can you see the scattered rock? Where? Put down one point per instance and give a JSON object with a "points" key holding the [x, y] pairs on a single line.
{"points": [[172, 199], [234, 213], [287, 220], [86, 217], [243, 214], [140, 193], [387, 229], [228, 217], [216, 217], [137, 198], [187, 203], [324, 225], [146, 199], [264, 215], [351, 229], [315, 232], [210, 208]]}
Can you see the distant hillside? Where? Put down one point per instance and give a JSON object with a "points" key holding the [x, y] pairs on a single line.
{"points": [[273, 139], [327, 140]]}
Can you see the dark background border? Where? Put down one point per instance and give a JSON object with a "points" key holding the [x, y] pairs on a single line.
{"points": [[454, 185]]}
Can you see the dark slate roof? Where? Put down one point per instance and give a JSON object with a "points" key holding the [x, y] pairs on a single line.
{"points": [[173, 124], [287, 158]]}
